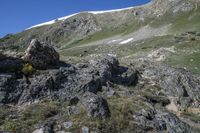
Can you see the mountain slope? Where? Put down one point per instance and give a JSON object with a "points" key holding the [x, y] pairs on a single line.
{"points": [[98, 25]]}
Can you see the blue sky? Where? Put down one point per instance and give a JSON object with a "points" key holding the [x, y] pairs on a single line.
{"points": [[17, 15]]}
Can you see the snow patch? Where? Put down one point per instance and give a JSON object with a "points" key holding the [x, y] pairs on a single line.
{"points": [[113, 41], [126, 41], [113, 55], [110, 11], [52, 21]]}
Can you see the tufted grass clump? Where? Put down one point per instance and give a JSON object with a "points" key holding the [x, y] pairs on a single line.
{"points": [[26, 119]]}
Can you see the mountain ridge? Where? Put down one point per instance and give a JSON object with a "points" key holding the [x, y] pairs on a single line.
{"points": [[92, 12], [94, 23]]}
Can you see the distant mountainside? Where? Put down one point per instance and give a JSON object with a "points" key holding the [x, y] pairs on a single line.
{"points": [[81, 27]]}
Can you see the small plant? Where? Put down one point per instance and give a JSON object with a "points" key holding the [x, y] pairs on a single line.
{"points": [[192, 38], [27, 69], [11, 125]]}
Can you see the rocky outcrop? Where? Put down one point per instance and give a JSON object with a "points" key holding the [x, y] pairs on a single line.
{"points": [[161, 121], [83, 82], [69, 83], [176, 83], [41, 55]]}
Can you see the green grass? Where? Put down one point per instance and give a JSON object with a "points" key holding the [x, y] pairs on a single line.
{"points": [[33, 114], [193, 117], [187, 22], [105, 33], [188, 61], [4, 111], [121, 50], [182, 22], [122, 110], [187, 56]]}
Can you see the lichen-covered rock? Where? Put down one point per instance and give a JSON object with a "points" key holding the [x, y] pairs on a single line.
{"points": [[161, 121], [10, 88], [41, 55], [69, 83], [95, 105], [175, 82], [105, 65]]}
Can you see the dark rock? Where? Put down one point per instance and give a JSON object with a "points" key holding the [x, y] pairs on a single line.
{"points": [[2, 56], [73, 101], [163, 101], [41, 86], [10, 64], [95, 105], [41, 55], [10, 88], [105, 65], [161, 121], [129, 77], [125, 76]]}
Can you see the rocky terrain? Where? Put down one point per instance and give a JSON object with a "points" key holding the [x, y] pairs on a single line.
{"points": [[92, 73]]}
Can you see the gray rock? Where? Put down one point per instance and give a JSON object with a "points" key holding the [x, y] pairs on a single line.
{"points": [[62, 132], [95, 105], [85, 129], [67, 124], [72, 110], [2, 56], [161, 121], [110, 93], [175, 82], [41, 55], [41, 86], [38, 131], [105, 65]]}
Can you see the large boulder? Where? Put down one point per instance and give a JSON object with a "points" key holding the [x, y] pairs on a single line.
{"points": [[41, 55], [105, 65]]}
